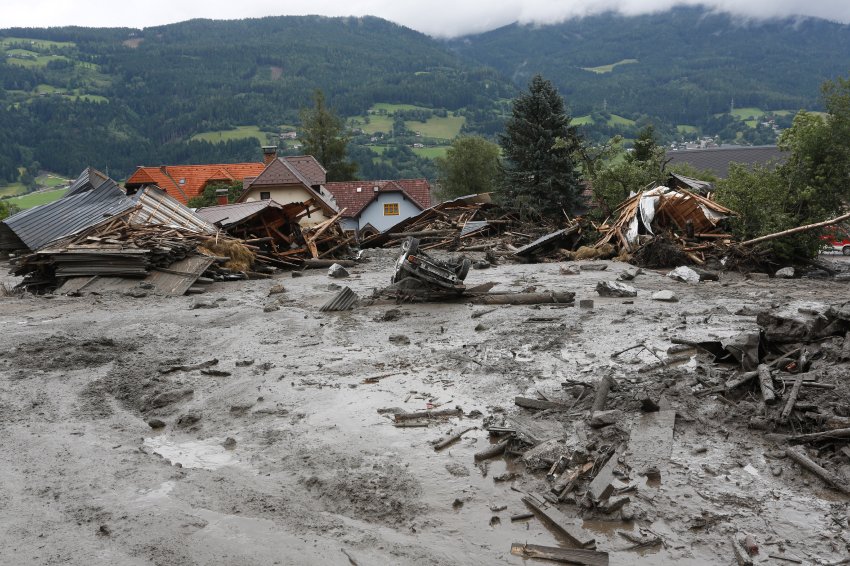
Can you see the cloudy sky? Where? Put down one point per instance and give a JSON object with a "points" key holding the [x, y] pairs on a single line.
{"points": [[444, 18]]}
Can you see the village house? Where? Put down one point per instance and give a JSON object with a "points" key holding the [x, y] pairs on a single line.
{"points": [[185, 182], [371, 207], [291, 179]]}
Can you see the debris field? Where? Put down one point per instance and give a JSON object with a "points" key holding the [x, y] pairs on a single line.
{"points": [[596, 413]]}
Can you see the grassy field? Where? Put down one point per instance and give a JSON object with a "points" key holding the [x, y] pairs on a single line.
{"points": [[431, 152], [92, 98], [614, 120], [50, 180], [12, 189], [686, 129], [43, 44], [32, 59], [446, 128], [602, 69], [238, 133], [376, 124], [391, 108], [36, 199], [582, 120]]}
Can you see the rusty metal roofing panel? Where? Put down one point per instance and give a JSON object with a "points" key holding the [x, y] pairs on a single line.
{"points": [[40, 225], [158, 207]]}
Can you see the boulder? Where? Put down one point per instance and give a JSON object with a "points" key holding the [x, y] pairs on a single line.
{"points": [[337, 271], [630, 274], [615, 289], [605, 418], [684, 274], [666, 296]]}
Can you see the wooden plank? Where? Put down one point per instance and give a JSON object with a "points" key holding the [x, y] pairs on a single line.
{"points": [[570, 528], [766, 384], [567, 555], [792, 398], [539, 404], [603, 484], [651, 441]]}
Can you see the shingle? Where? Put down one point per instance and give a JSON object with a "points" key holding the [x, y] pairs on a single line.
{"points": [[347, 196], [195, 177]]}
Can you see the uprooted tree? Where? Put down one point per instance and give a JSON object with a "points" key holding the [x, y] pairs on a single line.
{"points": [[813, 184], [539, 146]]}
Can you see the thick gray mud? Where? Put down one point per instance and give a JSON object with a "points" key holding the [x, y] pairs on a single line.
{"points": [[283, 455]]}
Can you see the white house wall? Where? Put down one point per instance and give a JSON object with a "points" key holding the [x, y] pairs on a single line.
{"points": [[374, 213]]}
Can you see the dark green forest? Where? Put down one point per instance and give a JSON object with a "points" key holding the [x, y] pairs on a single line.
{"points": [[117, 98]]}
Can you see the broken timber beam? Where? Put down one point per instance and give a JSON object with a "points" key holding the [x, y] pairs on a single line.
{"points": [[539, 404], [443, 442], [566, 297], [568, 555], [568, 527], [805, 462], [825, 435], [797, 230], [602, 390], [766, 384], [456, 412], [792, 398], [491, 452]]}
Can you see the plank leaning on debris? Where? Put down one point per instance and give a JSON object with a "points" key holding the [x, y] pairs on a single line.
{"points": [[568, 555]]}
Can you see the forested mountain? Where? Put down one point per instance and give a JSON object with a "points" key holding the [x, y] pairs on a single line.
{"points": [[116, 98], [119, 97], [682, 66]]}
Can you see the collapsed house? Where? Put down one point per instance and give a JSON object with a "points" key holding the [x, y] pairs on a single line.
{"points": [[97, 238], [687, 216]]}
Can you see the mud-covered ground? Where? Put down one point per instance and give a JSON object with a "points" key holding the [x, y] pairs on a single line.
{"points": [[280, 454]]}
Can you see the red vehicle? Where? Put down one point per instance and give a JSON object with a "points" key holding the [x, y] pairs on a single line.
{"points": [[837, 241]]}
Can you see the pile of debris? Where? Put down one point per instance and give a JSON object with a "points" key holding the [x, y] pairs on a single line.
{"points": [[474, 223], [691, 223], [277, 235], [112, 254]]}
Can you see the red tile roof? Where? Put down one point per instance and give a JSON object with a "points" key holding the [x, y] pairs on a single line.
{"points": [[347, 196], [194, 177]]}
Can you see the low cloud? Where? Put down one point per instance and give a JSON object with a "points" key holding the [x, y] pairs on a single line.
{"points": [[439, 18]]}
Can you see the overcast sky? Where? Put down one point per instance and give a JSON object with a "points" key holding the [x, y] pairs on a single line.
{"points": [[444, 18]]}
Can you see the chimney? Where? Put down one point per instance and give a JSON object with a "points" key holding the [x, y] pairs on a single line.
{"points": [[269, 153], [221, 196]]}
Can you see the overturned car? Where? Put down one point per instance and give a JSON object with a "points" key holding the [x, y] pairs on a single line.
{"points": [[415, 269]]}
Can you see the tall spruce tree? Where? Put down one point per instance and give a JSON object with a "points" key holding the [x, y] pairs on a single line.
{"points": [[539, 145], [325, 139]]}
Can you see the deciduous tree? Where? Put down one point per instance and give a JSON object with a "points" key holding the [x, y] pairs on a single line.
{"points": [[471, 166]]}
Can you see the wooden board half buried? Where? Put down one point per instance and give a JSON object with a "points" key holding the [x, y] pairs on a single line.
{"points": [[566, 555], [651, 441], [570, 528]]}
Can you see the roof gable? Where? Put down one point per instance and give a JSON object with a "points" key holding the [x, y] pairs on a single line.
{"points": [[279, 172], [184, 182], [309, 167], [348, 196]]}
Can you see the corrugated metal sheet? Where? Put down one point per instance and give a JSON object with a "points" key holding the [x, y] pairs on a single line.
{"points": [[342, 301], [549, 239], [43, 224], [157, 207], [88, 180], [473, 226], [175, 280], [230, 214]]}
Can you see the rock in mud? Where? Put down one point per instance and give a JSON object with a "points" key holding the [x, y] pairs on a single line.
{"points": [[400, 339], [585, 304], [684, 274], [615, 289], [785, 273], [570, 270], [630, 274], [276, 290], [188, 419], [271, 307], [156, 423], [665, 296], [202, 304], [169, 397], [229, 442], [457, 470], [337, 271], [297, 274], [481, 264]]}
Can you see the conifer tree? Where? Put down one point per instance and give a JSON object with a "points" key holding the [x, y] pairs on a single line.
{"points": [[539, 146], [325, 139]]}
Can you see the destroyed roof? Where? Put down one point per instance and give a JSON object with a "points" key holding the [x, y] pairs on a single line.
{"points": [[43, 224], [689, 183], [184, 182], [158, 207], [89, 179], [229, 214], [354, 196], [718, 159]]}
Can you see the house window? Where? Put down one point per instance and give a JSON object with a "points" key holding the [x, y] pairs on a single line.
{"points": [[265, 195], [391, 209]]}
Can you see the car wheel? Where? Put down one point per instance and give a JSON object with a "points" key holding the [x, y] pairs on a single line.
{"points": [[845, 250], [463, 269], [410, 246]]}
